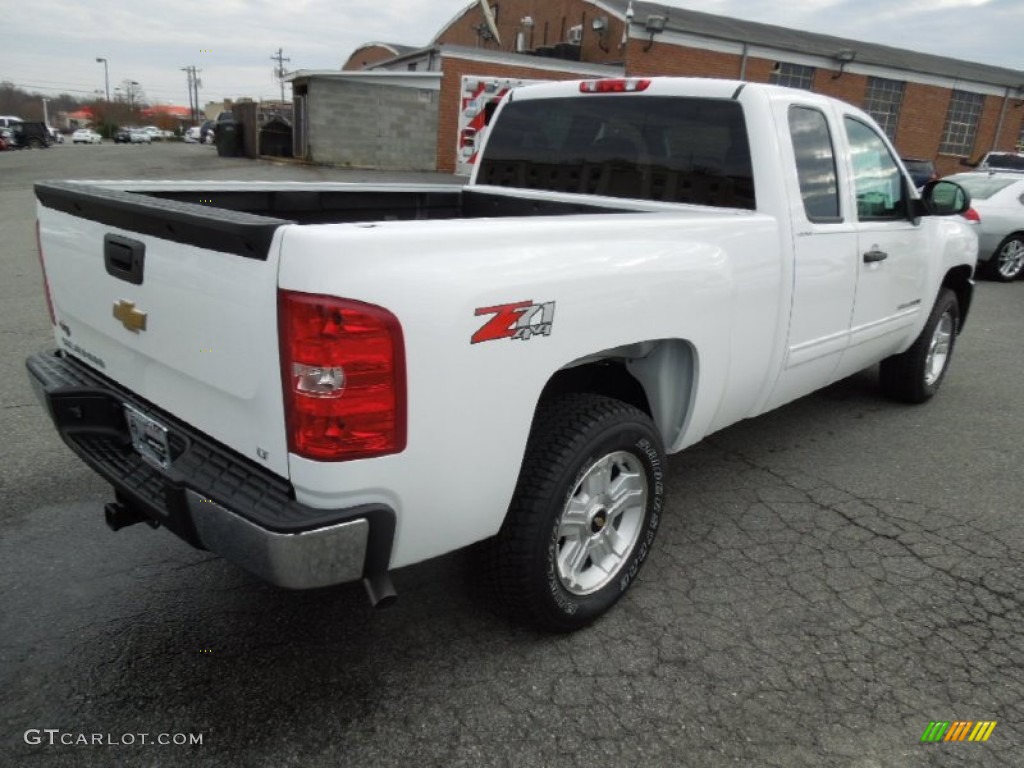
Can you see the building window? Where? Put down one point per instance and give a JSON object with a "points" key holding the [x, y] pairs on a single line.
{"points": [[961, 123], [793, 75], [883, 102]]}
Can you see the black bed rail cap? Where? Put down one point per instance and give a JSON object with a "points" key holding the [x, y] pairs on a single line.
{"points": [[216, 229]]}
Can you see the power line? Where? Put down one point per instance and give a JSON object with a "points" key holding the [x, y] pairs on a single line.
{"points": [[161, 92]]}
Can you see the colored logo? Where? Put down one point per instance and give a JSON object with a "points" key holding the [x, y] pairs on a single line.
{"points": [[129, 316], [958, 730], [522, 320]]}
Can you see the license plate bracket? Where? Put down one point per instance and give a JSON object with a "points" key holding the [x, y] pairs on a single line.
{"points": [[149, 437]]}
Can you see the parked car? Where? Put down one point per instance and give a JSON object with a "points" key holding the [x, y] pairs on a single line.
{"points": [[1002, 161], [998, 199], [30, 135], [5, 139], [369, 412], [921, 171], [193, 135], [6, 121], [206, 131], [157, 133], [132, 136], [86, 136]]}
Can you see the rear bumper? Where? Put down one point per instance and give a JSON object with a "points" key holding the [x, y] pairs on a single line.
{"points": [[210, 496]]}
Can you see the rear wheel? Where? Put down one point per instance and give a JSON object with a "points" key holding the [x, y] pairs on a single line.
{"points": [[915, 375], [34, 143], [584, 515], [1007, 262]]}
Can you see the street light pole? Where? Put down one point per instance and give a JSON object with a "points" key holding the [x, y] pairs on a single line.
{"points": [[46, 117], [106, 75]]}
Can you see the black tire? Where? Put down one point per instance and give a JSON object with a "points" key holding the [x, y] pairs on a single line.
{"points": [[1007, 263], [34, 144], [573, 438], [915, 375]]}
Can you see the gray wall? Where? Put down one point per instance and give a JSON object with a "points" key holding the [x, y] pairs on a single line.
{"points": [[372, 125]]}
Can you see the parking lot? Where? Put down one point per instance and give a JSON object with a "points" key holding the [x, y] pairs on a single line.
{"points": [[829, 578]]}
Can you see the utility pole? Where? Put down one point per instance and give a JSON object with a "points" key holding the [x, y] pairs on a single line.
{"points": [[46, 117], [280, 59], [191, 103], [193, 91], [196, 82]]}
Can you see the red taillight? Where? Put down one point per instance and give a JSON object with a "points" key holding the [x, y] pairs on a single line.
{"points": [[972, 215], [343, 370], [46, 282], [614, 86]]}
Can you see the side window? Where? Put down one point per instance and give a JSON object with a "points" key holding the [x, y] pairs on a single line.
{"points": [[815, 164], [876, 176]]}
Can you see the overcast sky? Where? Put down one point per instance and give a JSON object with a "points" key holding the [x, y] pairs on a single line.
{"points": [[51, 45]]}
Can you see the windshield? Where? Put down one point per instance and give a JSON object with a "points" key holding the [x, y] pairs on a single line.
{"points": [[671, 149], [1007, 160], [919, 166], [982, 187]]}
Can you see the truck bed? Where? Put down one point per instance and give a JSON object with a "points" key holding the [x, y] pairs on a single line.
{"points": [[241, 218]]}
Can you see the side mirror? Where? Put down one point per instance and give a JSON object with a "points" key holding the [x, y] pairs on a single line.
{"points": [[944, 198]]}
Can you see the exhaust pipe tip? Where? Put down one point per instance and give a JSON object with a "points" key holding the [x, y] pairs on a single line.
{"points": [[380, 590]]}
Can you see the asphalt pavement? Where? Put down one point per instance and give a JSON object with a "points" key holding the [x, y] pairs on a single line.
{"points": [[829, 579]]}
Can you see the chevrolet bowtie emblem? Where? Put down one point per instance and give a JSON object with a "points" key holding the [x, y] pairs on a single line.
{"points": [[129, 316]]}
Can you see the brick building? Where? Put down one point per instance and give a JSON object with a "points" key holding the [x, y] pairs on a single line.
{"points": [[931, 106]]}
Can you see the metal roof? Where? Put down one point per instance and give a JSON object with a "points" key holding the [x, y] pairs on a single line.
{"points": [[784, 39], [395, 48], [508, 58]]}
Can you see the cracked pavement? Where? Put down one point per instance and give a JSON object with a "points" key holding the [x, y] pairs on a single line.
{"points": [[828, 579]]}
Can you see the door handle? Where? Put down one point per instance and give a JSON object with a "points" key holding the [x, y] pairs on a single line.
{"points": [[875, 255], [124, 258]]}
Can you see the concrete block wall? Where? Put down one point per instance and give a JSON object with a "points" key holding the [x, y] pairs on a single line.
{"points": [[372, 125]]}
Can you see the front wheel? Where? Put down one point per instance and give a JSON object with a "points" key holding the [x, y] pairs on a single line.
{"points": [[915, 375], [585, 512], [1007, 262]]}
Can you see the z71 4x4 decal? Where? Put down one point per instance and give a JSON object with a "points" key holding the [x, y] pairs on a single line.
{"points": [[520, 320]]}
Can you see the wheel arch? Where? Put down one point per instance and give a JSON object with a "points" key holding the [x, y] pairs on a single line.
{"points": [[658, 377], [958, 280]]}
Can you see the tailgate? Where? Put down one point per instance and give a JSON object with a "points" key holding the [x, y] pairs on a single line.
{"points": [[176, 302]]}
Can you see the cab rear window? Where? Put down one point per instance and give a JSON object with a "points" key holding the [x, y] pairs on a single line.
{"points": [[669, 149]]}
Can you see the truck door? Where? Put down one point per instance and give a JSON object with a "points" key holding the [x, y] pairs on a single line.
{"points": [[892, 269], [825, 253]]}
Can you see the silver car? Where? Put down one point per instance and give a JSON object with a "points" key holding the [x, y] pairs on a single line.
{"points": [[998, 197]]}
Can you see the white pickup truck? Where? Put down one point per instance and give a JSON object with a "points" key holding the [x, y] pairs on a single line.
{"points": [[325, 382]]}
